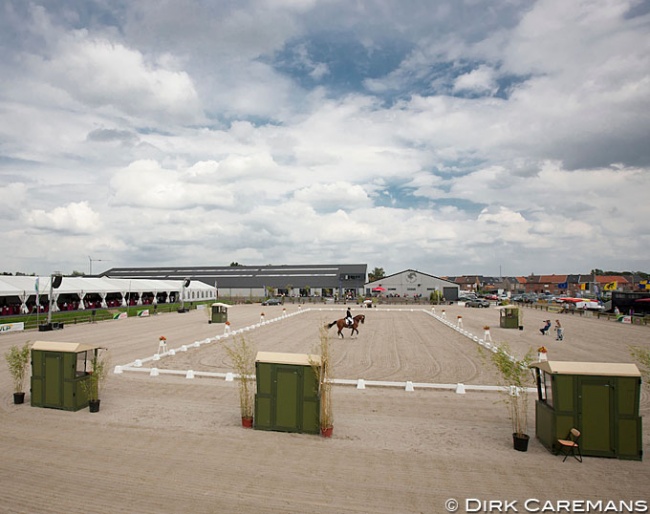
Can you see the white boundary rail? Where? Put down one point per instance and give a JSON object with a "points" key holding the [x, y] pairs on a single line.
{"points": [[137, 365]]}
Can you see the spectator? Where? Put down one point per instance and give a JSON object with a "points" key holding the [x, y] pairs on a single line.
{"points": [[546, 327]]}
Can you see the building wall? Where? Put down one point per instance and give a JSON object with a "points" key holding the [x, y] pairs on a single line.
{"points": [[410, 283]]}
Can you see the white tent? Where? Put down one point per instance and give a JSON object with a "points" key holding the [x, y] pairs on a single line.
{"points": [[28, 287]]}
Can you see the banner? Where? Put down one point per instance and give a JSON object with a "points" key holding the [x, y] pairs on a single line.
{"points": [[120, 315], [143, 313], [610, 286], [12, 327]]}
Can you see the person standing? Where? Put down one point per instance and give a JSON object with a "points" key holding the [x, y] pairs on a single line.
{"points": [[559, 331]]}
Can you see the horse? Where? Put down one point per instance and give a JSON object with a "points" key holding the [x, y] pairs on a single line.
{"points": [[341, 324]]}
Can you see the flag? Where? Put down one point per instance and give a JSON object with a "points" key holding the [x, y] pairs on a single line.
{"points": [[583, 286], [563, 285], [610, 286], [36, 285]]}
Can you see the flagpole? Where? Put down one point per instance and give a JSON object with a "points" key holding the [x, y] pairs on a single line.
{"points": [[38, 303]]}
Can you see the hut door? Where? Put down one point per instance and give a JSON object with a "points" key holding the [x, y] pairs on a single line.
{"points": [[289, 386], [53, 383], [596, 397]]}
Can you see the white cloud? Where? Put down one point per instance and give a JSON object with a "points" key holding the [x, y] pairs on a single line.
{"points": [[335, 196], [176, 129], [104, 74], [147, 184], [12, 198], [74, 218], [480, 80]]}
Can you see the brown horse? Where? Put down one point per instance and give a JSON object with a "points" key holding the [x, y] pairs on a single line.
{"points": [[340, 323]]}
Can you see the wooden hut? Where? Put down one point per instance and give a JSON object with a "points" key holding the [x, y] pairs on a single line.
{"points": [[218, 313], [58, 371], [287, 392], [599, 399]]}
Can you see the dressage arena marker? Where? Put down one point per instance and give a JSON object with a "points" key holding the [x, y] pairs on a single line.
{"points": [[408, 386]]}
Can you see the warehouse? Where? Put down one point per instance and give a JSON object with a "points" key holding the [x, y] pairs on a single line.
{"points": [[329, 280]]}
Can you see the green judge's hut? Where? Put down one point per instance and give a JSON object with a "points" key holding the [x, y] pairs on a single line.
{"points": [[510, 316], [218, 313], [600, 399], [58, 371], [287, 392]]}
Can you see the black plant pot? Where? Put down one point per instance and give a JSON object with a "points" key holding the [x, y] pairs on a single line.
{"points": [[93, 405], [19, 398], [520, 442]]}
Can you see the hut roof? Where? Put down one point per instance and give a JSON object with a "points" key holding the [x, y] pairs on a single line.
{"points": [[288, 358], [52, 346], [618, 369]]}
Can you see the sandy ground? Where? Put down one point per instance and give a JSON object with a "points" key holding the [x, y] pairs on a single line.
{"points": [[168, 444]]}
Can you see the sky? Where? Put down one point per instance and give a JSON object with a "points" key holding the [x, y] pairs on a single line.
{"points": [[454, 137]]}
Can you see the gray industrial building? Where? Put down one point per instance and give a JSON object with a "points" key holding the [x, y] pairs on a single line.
{"points": [[337, 280]]}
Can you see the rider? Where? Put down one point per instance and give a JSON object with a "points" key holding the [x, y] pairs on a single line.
{"points": [[348, 317]]}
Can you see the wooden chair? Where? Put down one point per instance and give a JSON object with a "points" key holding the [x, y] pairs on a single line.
{"points": [[569, 446]]}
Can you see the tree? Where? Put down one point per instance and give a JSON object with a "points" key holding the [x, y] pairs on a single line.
{"points": [[235, 264], [376, 274]]}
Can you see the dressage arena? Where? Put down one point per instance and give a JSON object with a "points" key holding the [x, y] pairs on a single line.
{"points": [[171, 444]]}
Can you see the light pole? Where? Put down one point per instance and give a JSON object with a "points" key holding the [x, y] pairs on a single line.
{"points": [[91, 263]]}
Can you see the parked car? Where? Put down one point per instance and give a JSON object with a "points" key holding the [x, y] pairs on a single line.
{"points": [[477, 303], [272, 301]]}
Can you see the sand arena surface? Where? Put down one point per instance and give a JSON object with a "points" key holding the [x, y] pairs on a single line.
{"points": [[169, 444]]}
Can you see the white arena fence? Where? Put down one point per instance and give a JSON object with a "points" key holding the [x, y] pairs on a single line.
{"points": [[137, 366]]}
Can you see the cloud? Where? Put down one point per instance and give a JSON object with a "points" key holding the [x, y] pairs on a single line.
{"points": [[74, 218], [336, 196], [105, 74], [149, 185], [12, 197], [481, 80], [447, 137]]}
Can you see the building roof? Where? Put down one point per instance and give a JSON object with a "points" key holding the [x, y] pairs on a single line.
{"points": [[298, 276], [606, 279], [406, 271]]}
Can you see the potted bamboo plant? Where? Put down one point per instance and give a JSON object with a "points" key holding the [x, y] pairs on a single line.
{"points": [[94, 382], [515, 376], [323, 370], [242, 355], [18, 360]]}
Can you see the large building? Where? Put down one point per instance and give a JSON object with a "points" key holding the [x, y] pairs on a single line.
{"points": [[336, 280], [414, 284]]}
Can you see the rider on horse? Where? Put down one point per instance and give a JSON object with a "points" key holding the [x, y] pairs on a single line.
{"points": [[348, 317]]}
